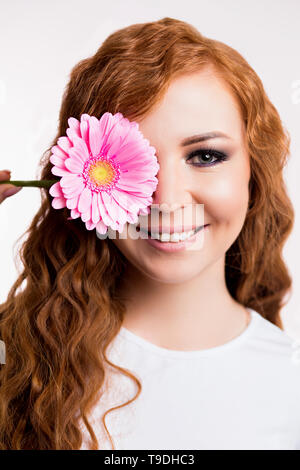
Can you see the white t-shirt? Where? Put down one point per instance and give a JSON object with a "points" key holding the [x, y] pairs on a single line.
{"points": [[244, 394]]}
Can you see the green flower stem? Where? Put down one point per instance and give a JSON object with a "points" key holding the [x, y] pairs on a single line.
{"points": [[33, 184]]}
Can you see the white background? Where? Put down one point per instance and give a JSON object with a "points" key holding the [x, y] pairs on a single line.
{"points": [[40, 42]]}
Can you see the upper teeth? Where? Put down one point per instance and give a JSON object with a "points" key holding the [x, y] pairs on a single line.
{"points": [[173, 237]]}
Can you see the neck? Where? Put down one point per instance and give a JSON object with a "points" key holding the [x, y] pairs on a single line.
{"points": [[196, 314]]}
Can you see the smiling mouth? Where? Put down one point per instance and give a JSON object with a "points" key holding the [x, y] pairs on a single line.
{"points": [[153, 233]]}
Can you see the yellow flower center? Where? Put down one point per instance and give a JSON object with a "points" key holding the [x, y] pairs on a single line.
{"points": [[101, 173]]}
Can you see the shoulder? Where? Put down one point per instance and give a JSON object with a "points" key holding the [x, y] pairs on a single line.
{"points": [[273, 336], [280, 351], [277, 366]]}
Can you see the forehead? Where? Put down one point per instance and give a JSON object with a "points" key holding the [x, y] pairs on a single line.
{"points": [[194, 103]]}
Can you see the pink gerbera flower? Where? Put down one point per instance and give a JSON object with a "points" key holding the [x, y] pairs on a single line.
{"points": [[107, 171]]}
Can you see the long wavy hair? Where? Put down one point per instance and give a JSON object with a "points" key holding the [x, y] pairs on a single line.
{"points": [[57, 326]]}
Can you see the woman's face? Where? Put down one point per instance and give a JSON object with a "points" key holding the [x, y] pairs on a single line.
{"points": [[194, 104]]}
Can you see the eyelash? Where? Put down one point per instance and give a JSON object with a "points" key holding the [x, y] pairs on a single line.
{"points": [[221, 156]]}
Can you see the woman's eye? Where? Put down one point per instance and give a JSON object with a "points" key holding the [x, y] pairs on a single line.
{"points": [[206, 157]]}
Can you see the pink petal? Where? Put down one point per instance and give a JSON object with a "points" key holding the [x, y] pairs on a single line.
{"points": [[119, 227], [85, 117], [84, 129], [70, 181], [110, 205], [114, 147], [75, 125], [79, 150], [58, 203], [73, 165], [133, 218], [129, 151], [64, 143], [58, 161], [114, 225], [118, 117], [141, 200], [139, 175], [95, 137], [125, 200], [85, 216], [103, 212], [59, 171], [95, 209], [118, 137], [75, 214], [72, 134], [85, 200], [144, 211], [106, 124], [127, 186], [72, 202], [151, 167], [74, 154], [101, 227], [122, 213], [59, 152], [72, 191], [143, 188], [90, 225], [55, 190]]}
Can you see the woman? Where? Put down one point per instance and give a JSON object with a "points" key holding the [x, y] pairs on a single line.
{"points": [[119, 343]]}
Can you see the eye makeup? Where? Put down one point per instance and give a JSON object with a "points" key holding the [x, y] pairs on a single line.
{"points": [[207, 154]]}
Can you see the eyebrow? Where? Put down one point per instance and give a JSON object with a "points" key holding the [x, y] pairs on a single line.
{"points": [[202, 137]]}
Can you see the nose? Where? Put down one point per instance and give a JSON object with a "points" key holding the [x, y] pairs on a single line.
{"points": [[172, 190], [172, 201]]}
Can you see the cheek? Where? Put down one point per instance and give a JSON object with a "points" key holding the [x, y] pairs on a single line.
{"points": [[227, 198]]}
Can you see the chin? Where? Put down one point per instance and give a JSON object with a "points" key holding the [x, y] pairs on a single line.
{"points": [[172, 272]]}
